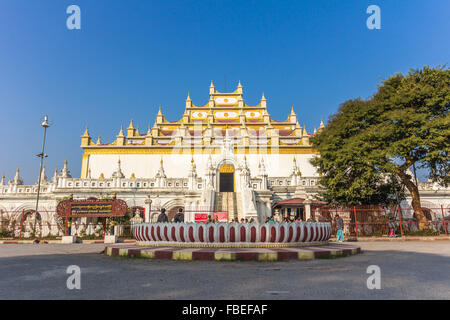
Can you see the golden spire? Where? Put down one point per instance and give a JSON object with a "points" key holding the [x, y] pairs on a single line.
{"points": [[263, 97], [131, 125], [121, 131], [86, 133], [99, 141], [159, 111]]}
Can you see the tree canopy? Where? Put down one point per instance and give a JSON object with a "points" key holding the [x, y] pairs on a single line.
{"points": [[368, 146]]}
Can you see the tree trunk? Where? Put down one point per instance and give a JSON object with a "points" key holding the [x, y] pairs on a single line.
{"points": [[414, 191]]}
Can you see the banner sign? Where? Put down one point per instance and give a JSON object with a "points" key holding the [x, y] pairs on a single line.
{"points": [[221, 216], [92, 208], [203, 217]]}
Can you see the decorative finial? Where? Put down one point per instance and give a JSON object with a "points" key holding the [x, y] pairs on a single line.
{"points": [[121, 131], [131, 125], [86, 132]]}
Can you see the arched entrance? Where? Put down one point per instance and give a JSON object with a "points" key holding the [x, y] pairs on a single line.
{"points": [[226, 178]]}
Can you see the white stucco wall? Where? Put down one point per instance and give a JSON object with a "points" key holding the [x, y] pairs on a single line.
{"points": [[177, 166]]}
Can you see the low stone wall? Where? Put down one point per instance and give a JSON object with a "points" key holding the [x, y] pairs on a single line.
{"points": [[232, 234]]}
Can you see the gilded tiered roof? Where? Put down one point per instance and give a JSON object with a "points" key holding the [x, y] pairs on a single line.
{"points": [[223, 114]]}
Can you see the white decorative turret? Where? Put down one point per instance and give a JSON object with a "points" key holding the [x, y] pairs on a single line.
{"points": [[2, 182], [118, 174], [161, 175], [55, 177], [263, 175], [192, 176], [65, 173], [209, 173], [295, 173], [43, 176], [17, 179], [321, 126], [245, 174]]}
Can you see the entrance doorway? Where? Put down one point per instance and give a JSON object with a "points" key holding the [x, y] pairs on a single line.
{"points": [[226, 178]]}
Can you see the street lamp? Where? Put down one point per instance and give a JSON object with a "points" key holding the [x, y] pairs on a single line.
{"points": [[45, 124]]}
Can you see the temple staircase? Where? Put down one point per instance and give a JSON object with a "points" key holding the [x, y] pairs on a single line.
{"points": [[227, 201]]}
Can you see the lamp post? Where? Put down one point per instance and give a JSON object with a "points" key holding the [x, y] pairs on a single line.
{"points": [[41, 155]]}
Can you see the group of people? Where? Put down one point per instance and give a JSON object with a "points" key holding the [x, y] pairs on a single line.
{"points": [[179, 217]]}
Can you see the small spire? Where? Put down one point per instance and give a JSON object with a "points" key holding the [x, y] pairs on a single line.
{"points": [[321, 124], [188, 97], [55, 175], [239, 84], [131, 125], [121, 131], [263, 97], [86, 132], [292, 110], [304, 130], [99, 141], [212, 84], [65, 173], [159, 111]]}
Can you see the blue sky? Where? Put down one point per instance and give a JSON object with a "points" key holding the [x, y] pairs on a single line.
{"points": [[131, 56]]}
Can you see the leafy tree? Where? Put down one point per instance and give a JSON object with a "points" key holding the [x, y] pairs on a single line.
{"points": [[368, 145]]}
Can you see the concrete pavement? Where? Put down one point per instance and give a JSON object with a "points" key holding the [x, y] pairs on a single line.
{"points": [[409, 270]]}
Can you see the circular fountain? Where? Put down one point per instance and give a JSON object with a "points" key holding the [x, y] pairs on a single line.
{"points": [[226, 235]]}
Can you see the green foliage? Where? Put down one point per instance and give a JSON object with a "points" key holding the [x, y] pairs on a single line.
{"points": [[368, 145]]}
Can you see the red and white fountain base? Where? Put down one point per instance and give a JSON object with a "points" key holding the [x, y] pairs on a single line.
{"points": [[228, 235]]}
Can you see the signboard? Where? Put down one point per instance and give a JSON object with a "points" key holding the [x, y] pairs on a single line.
{"points": [[203, 217], [222, 216], [91, 208]]}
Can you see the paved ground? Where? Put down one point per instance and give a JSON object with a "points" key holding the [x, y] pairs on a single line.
{"points": [[409, 270]]}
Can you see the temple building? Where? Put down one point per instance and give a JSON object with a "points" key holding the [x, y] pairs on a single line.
{"points": [[223, 156]]}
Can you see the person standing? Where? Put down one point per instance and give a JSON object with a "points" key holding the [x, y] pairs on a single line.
{"points": [[162, 216], [340, 229], [392, 227], [179, 217]]}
